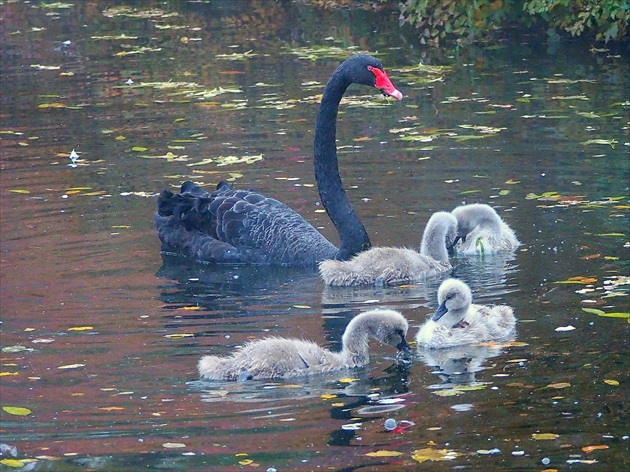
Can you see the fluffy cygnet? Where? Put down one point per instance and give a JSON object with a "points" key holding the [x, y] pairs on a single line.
{"points": [[393, 265], [457, 321], [480, 230], [283, 358]]}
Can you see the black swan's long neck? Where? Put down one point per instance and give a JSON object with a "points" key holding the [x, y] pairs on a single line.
{"points": [[352, 234]]}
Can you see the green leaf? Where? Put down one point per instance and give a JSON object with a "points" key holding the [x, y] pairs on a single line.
{"points": [[597, 312], [17, 410]]}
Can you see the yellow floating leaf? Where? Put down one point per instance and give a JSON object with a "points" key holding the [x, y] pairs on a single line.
{"points": [[328, 396], [112, 408], [51, 105], [191, 308], [16, 462], [4, 374], [245, 462], [81, 328], [20, 190], [178, 336], [17, 410], [71, 366], [611, 382], [607, 315], [578, 280], [383, 453], [139, 149], [545, 436], [589, 449], [430, 454], [347, 380], [559, 385]]}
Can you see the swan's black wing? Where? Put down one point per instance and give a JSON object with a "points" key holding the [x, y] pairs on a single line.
{"points": [[237, 226]]}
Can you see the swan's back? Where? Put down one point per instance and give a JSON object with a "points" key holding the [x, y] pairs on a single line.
{"points": [[271, 358], [381, 266], [237, 226], [484, 230]]}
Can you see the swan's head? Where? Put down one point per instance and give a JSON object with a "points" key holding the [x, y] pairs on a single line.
{"points": [[367, 70], [470, 216], [387, 326], [453, 296]]}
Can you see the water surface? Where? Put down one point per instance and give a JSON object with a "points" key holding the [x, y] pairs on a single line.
{"points": [[101, 333]]}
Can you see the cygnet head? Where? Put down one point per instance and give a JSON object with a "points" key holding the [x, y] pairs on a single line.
{"points": [[387, 326], [473, 215], [454, 299]]}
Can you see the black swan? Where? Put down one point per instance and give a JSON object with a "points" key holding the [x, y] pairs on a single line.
{"points": [[242, 226], [276, 357]]}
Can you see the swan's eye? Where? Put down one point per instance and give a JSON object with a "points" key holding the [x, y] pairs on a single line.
{"points": [[370, 68]]}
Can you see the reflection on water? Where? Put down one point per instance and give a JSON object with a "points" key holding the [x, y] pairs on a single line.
{"points": [[101, 334], [458, 365]]}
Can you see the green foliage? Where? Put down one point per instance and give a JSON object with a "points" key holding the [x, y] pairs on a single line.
{"points": [[467, 20], [462, 19], [607, 19]]}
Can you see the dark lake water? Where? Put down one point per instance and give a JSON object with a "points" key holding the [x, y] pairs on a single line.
{"points": [[101, 334]]}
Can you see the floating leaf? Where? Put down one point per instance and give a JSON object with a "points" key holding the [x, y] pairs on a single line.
{"points": [[17, 410], [71, 366], [81, 328], [383, 453], [609, 142], [328, 396], [614, 383], [139, 149], [112, 408], [179, 335], [589, 449], [559, 385], [565, 328], [597, 312], [19, 190], [430, 454], [170, 445], [16, 462], [42, 67], [611, 234], [578, 280], [545, 436], [301, 306], [458, 390]]}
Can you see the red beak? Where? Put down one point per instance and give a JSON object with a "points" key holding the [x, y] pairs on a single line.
{"points": [[385, 85]]}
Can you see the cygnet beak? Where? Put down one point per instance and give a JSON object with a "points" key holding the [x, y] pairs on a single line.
{"points": [[451, 248], [441, 311], [403, 347]]}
